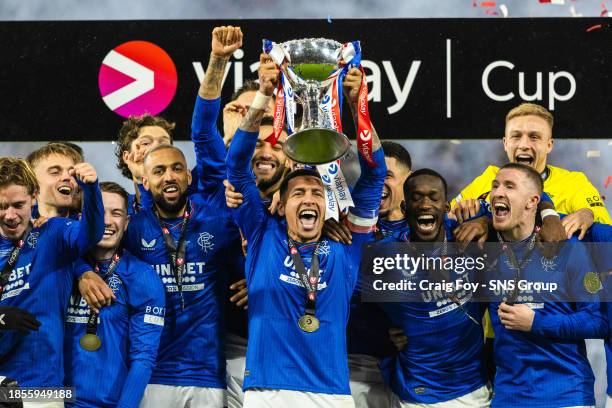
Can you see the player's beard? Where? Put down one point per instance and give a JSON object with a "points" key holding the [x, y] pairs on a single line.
{"points": [[265, 184], [168, 207]]}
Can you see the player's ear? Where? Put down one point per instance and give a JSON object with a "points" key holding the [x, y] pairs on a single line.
{"points": [[403, 207], [281, 208], [145, 182], [533, 202], [188, 177], [446, 206], [551, 143]]}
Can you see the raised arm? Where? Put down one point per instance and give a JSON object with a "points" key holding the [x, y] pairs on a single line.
{"points": [[82, 235], [251, 215], [208, 142]]}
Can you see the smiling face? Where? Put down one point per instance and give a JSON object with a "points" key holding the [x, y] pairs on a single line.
{"points": [[514, 201], [115, 221], [268, 162], [425, 206], [303, 206], [57, 187], [393, 190], [15, 210], [528, 140], [167, 178], [149, 137]]}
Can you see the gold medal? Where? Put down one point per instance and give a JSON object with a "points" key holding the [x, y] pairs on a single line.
{"points": [[591, 282], [308, 323], [90, 342]]}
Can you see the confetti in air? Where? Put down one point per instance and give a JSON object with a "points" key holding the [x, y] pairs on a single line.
{"points": [[608, 180], [595, 27], [329, 20], [504, 10]]}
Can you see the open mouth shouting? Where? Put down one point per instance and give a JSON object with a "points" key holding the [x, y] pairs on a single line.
{"points": [[307, 219], [501, 211], [525, 158], [426, 223]]}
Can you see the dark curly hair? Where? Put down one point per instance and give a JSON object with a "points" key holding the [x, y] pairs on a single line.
{"points": [[129, 132]]}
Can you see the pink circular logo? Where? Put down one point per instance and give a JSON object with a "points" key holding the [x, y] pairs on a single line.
{"points": [[137, 77]]}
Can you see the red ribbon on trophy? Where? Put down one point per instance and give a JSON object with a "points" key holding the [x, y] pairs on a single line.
{"points": [[364, 125]]}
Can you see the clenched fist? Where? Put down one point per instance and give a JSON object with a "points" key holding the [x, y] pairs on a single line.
{"points": [[351, 85], [268, 75], [226, 40], [84, 172]]}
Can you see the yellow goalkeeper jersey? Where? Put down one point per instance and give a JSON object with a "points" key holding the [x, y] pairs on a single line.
{"points": [[570, 191]]}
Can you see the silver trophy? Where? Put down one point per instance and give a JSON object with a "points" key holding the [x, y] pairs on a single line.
{"points": [[315, 140]]}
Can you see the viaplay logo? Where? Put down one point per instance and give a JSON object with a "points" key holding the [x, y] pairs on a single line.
{"points": [[137, 77]]}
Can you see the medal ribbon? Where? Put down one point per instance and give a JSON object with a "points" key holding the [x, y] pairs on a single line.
{"points": [[92, 321], [12, 260], [310, 281], [176, 251], [515, 264], [13, 257]]}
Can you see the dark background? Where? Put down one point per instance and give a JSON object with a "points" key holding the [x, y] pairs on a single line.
{"points": [[49, 71]]}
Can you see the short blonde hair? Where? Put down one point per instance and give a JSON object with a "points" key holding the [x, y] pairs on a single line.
{"points": [[54, 148], [525, 109], [17, 171]]}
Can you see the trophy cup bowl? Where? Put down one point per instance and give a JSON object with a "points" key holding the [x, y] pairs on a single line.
{"points": [[315, 141]]}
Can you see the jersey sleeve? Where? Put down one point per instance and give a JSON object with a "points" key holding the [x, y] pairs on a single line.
{"points": [[208, 143], [478, 188], [251, 215], [587, 321], [363, 216], [81, 235], [146, 198], [79, 267], [586, 196], [146, 299]]}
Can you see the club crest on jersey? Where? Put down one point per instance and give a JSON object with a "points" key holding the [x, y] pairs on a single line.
{"points": [[148, 246], [113, 283], [33, 239], [205, 241], [548, 264]]}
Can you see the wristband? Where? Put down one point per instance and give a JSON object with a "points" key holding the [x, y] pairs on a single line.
{"points": [[260, 101], [545, 213]]}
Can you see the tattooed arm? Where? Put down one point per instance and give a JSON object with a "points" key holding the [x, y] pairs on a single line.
{"points": [[208, 142], [225, 40]]}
